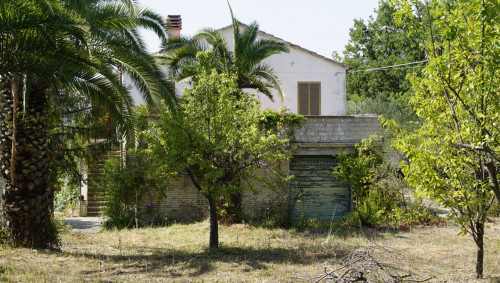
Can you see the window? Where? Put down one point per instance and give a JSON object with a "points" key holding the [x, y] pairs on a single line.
{"points": [[309, 98]]}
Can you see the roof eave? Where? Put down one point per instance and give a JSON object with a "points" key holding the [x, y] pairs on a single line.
{"points": [[293, 46]]}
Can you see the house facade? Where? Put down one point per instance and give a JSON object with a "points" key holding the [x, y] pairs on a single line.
{"points": [[313, 84], [315, 87]]}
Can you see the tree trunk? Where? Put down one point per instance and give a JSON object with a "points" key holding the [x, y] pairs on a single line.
{"points": [[26, 214], [480, 249], [214, 227], [494, 185]]}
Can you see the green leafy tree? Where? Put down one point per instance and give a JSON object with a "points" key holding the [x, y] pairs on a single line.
{"points": [[61, 47], [214, 136], [377, 43], [245, 60], [454, 156]]}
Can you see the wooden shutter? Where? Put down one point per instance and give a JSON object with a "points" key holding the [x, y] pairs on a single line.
{"points": [[303, 99], [314, 99], [309, 98]]}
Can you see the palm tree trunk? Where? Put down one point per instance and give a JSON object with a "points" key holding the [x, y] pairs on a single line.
{"points": [[26, 214]]}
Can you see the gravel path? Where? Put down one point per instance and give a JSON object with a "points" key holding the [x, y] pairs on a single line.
{"points": [[84, 224]]}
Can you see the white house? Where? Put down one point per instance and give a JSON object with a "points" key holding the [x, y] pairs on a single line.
{"points": [[313, 84]]}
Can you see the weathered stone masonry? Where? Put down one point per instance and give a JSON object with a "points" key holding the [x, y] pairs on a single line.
{"points": [[320, 136]]}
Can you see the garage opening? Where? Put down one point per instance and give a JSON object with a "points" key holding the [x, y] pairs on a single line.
{"points": [[314, 192]]}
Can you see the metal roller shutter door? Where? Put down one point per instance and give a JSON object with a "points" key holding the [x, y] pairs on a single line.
{"points": [[314, 192]]}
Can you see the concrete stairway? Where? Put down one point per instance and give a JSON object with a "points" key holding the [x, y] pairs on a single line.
{"points": [[94, 204]]}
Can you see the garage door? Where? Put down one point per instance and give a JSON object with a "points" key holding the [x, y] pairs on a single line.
{"points": [[314, 192]]}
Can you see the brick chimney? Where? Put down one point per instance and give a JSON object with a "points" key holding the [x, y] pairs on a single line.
{"points": [[174, 25]]}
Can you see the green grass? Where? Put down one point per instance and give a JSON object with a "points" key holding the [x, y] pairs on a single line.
{"points": [[180, 253]]}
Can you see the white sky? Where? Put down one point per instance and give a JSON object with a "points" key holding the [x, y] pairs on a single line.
{"points": [[321, 26]]}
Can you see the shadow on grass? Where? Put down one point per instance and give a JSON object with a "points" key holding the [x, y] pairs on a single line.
{"points": [[168, 262], [161, 260]]}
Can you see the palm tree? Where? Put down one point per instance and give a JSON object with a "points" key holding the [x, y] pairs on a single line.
{"points": [[245, 60], [63, 46]]}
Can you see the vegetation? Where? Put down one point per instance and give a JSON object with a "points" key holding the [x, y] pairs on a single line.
{"points": [[65, 200], [74, 126], [376, 43], [394, 108], [380, 194], [245, 62], [121, 188], [453, 158], [60, 47], [180, 253], [59, 89], [214, 137]]}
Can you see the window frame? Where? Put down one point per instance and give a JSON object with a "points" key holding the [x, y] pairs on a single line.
{"points": [[309, 83]]}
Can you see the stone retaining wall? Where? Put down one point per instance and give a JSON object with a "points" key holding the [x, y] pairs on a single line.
{"points": [[321, 136], [325, 135]]}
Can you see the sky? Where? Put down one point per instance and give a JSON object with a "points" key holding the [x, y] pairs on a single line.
{"points": [[321, 26]]}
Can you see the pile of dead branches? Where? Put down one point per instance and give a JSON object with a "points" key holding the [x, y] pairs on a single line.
{"points": [[366, 265]]}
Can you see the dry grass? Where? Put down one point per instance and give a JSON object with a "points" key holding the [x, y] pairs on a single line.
{"points": [[248, 254]]}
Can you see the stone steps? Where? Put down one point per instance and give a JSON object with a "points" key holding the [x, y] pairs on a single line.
{"points": [[94, 205]]}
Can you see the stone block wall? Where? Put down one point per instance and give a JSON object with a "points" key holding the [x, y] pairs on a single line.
{"points": [[326, 135], [337, 129], [266, 197], [320, 136], [183, 202]]}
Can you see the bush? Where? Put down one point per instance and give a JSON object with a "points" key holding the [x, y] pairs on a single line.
{"points": [[391, 107], [121, 189], [378, 190], [4, 236], [65, 199]]}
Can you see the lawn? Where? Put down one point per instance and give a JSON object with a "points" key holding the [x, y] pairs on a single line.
{"points": [[248, 254]]}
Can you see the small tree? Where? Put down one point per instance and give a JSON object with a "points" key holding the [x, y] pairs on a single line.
{"points": [[214, 137], [454, 157]]}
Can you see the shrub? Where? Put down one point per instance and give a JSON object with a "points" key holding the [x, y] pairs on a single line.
{"points": [[378, 189], [121, 188], [4, 236], [65, 199]]}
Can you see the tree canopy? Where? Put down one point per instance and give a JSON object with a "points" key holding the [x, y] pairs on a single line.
{"points": [[454, 156], [56, 48], [214, 136], [378, 43]]}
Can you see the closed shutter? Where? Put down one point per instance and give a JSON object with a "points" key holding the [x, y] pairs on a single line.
{"points": [[303, 99], [309, 98], [314, 192], [314, 99]]}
